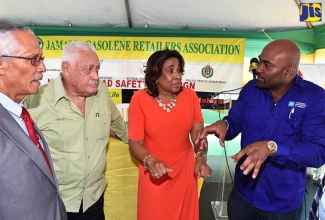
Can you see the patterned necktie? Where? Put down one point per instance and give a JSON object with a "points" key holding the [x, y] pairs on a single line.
{"points": [[314, 206], [32, 134]]}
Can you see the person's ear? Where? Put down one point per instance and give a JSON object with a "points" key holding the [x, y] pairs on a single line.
{"points": [[289, 72], [65, 68], [2, 66]]}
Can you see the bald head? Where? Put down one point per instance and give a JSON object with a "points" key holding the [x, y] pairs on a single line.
{"points": [[278, 66], [286, 50]]}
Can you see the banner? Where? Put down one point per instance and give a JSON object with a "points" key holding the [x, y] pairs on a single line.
{"points": [[212, 65]]}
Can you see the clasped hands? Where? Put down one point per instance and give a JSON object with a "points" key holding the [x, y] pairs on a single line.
{"points": [[256, 152]]}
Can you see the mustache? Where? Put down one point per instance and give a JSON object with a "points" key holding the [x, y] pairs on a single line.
{"points": [[93, 82], [38, 77]]}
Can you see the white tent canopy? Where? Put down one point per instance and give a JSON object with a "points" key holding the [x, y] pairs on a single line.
{"points": [[254, 15]]}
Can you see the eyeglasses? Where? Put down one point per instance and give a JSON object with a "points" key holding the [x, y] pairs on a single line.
{"points": [[35, 60]]}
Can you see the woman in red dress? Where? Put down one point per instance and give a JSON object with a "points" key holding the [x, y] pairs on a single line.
{"points": [[163, 119]]}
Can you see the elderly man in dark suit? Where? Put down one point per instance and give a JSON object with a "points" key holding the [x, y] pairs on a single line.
{"points": [[28, 185]]}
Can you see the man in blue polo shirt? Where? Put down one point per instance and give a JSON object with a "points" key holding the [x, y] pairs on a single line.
{"points": [[282, 121]]}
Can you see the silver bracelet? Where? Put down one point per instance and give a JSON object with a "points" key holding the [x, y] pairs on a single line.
{"points": [[201, 153], [144, 161]]}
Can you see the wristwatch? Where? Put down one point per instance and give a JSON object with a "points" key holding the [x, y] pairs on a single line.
{"points": [[273, 147]]}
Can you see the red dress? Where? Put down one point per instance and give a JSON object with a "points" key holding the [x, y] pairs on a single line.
{"points": [[166, 136]]}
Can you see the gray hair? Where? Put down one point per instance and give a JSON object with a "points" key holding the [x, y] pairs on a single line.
{"points": [[73, 48], [7, 42]]}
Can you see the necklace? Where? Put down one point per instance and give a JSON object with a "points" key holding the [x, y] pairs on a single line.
{"points": [[169, 106]]}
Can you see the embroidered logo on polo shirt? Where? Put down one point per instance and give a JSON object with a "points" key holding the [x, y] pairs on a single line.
{"points": [[293, 104], [300, 105]]}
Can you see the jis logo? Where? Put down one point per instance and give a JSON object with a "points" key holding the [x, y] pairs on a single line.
{"points": [[310, 11]]}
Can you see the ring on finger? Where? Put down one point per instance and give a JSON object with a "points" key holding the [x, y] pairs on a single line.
{"points": [[156, 175]]}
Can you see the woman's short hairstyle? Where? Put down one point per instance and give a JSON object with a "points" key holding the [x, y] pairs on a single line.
{"points": [[154, 68]]}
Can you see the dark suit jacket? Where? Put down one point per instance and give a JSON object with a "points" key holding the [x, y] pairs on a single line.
{"points": [[27, 188]]}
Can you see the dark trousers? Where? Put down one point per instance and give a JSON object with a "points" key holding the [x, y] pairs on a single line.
{"points": [[240, 209], [94, 212]]}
